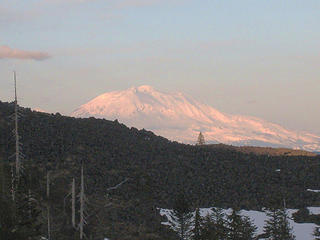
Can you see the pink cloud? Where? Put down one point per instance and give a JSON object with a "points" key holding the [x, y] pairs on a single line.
{"points": [[7, 52]]}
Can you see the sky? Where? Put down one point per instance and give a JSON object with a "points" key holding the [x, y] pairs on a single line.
{"points": [[248, 57]]}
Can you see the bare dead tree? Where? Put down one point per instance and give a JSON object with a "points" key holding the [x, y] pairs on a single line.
{"points": [[118, 185], [16, 132], [83, 203], [13, 188], [82, 206], [17, 167], [73, 200], [48, 206], [48, 184]]}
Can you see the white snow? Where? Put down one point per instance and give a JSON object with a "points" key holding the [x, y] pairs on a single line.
{"points": [[302, 231], [181, 118], [39, 110], [312, 190], [314, 210]]}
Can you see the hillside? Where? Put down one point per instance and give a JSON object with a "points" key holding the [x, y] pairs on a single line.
{"points": [[157, 170], [180, 118], [265, 150]]}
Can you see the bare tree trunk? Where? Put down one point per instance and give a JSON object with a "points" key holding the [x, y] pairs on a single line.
{"points": [[81, 204], [13, 189], [48, 222], [73, 203], [48, 206], [16, 128]]}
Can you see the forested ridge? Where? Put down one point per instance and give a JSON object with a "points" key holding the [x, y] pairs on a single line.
{"points": [[155, 170]]}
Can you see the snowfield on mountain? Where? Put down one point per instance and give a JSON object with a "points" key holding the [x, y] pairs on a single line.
{"points": [[181, 118]]}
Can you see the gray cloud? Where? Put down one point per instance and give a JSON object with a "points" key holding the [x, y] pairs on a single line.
{"points": [[7, 52], [136, 3]]}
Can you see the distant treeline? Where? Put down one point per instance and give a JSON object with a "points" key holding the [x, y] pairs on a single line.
{"points": [[266, 150]]}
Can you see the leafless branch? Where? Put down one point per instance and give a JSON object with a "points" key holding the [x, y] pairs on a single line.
{"points": [[118, 185]]}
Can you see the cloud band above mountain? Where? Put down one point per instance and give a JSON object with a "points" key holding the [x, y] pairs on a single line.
{"points": [[7, 52]]}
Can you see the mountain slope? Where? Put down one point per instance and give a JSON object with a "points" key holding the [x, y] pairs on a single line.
{"points": [[157, 170], [181, 118]]}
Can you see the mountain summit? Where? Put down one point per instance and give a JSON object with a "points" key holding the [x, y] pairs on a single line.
{"points": [[181, 118]]}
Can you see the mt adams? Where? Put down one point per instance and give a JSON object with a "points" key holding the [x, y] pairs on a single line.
{"points": [[181, 118]]}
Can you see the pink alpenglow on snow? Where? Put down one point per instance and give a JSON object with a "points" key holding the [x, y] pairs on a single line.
{"points": [[181, 118]]}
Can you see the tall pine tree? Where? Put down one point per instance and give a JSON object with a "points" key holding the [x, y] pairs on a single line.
{"points": [[182, 217], [200, 140], [214, 226], [277, 227], [240, 228], [197, 225], [19, 219]]}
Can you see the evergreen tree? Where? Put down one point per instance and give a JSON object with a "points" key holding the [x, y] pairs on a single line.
{"points": [[277, 226], [27, 214], [240, 228], [214, 226], [182, 218], [7, 223], [200, 140], [196, 232], [19, 219], [249, 229], [316, 233]]}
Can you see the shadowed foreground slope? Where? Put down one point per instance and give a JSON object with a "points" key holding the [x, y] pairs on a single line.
{"points": [[157, 170]]}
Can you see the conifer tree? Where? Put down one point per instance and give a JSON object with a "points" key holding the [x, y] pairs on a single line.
{"points": [[277, 226], [7, 223], [19, 219], [218, 217], [182, 217], [316, 233], [196, 232], [200, 140], [240, 228], [27, 214], [214, 226], [249, 229]]}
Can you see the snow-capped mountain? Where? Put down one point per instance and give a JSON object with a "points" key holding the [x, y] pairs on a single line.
{"points": [[181, 118]]}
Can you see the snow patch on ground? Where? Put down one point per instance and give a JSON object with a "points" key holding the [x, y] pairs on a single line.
{"points": [[302, 231], [312, 190], [314, 210]]}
